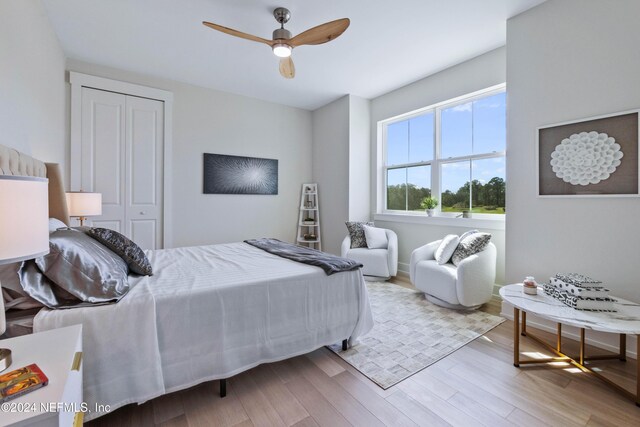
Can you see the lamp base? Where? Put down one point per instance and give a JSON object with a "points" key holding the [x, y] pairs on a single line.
{"points": [[5, 358]]}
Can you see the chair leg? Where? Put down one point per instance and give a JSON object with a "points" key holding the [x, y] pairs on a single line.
{"points": [[345, 345]]}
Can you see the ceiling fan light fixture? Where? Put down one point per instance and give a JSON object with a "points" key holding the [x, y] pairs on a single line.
{"points": [[282, 50]]}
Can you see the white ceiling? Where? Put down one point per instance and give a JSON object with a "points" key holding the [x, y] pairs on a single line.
{"points": [[388, 44]]}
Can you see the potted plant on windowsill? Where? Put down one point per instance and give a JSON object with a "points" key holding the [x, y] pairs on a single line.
{"points": [[429, 204]]}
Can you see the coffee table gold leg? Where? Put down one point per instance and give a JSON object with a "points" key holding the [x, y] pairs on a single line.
{"points": [[582, 346], [516, 337], [623, 347], [523, 328], [559, 338]]}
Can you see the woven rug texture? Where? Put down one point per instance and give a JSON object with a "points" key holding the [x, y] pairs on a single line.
{"points": [[410, 333]]}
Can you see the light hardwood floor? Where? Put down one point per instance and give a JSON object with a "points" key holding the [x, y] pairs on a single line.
{"points": [[476, 385]]}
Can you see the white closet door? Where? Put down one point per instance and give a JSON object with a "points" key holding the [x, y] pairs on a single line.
{"points": [[103, 154], [122, 148], [143, 176]]}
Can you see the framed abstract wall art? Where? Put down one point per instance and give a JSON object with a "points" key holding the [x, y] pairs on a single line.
{"points": [[594, 157], [225, 174]]}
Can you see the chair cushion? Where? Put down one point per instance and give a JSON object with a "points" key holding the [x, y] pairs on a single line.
{"points": [[446, 248], [376, 237], [374, 261], [437, 280], [470, 245], [356, 232]]}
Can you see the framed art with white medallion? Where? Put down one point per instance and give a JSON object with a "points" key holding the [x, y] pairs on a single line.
{"points": [[591, 157]]}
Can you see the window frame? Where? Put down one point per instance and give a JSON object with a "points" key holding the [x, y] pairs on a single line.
{"points": [[436, 162]]}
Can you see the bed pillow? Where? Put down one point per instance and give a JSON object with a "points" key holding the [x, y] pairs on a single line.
{"points": [[84, 267], [470, 245], [356, 233], [376, 237], [14, 296], [41, 289], [54, 224], [446, 248], [125, 248]]}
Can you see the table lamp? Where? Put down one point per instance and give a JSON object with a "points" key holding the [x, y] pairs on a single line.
{"points": [[82, 204], [24, 229]]}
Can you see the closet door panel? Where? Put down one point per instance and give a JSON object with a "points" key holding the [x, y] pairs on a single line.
{"points": [[103, 152], [144, 142]]}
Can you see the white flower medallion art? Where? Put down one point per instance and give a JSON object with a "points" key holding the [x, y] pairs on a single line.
{"points": [[586, 158]]}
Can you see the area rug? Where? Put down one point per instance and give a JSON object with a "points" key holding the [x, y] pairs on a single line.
{"points": [[410, 333]]}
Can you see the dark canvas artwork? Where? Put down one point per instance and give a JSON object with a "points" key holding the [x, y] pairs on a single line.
{"points": [[239, 175]]}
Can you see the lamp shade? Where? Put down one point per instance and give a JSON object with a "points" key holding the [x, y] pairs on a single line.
{"points": [[24, 218], [83, 204]]}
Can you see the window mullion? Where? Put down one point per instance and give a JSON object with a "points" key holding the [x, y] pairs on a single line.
{"points": [[406, 189], [436, 190]]}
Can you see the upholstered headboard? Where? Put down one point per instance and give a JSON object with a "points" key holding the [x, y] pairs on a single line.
{"points": [[12, 162]]}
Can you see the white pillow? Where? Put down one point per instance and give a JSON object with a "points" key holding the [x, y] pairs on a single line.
{"points": [[467, 233], [447, 248], [376, 237], [54, 224]]}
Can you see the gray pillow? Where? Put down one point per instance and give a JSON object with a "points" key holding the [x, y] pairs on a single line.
{"points": [[84, 268], [41, 289], [356, 233], [15, 297], [470, 245], [124, 248]]}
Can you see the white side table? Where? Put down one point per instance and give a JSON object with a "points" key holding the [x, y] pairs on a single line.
{"points": [[58, 353], [625, 321]]}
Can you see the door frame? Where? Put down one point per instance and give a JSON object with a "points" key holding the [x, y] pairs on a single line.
{"points": [[80, 80]]}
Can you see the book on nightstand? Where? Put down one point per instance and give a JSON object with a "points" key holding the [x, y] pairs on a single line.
{"points": [[21, 381]]}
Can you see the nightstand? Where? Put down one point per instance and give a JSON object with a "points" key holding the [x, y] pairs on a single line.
{"points": [[58, 353]]}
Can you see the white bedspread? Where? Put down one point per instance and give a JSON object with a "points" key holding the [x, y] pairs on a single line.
{"points": [[210, 312]]}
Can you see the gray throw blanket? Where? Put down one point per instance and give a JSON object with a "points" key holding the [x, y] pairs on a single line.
{"points": [[329, 263]]}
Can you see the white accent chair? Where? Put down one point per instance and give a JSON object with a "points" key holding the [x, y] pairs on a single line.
{"points": [[467, 286], [378, 264]]}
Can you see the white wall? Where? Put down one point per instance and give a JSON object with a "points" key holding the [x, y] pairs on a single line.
{"points": [[560, 69], [341, 166], [32, 88], [568, 60], [209, 121], [331, 170], [478, 73], [359, 159]]}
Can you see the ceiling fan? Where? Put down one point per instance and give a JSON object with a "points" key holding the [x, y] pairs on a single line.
{"points": [[283, 42]]}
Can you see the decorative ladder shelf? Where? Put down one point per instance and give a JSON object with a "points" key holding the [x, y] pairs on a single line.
{"points": [[309, 217]]}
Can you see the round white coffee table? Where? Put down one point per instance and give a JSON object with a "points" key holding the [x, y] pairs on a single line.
{"points": [[625, 321]]}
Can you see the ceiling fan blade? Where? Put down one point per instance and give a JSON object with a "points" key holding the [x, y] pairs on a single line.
{"points": [[237, 33], [321, 34], [287, 69]]}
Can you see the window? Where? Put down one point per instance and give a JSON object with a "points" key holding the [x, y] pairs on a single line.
{"points": [[454, 151]]}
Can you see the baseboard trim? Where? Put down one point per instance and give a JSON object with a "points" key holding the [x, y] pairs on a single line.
{"points": [[403, 268], [603, 340]]}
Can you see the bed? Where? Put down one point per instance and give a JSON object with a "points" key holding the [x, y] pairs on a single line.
{"points": [[207, 313]]}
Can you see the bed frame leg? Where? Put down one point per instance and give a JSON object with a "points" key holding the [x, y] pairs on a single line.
{"points": [[345, 344], [223, 387]]}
